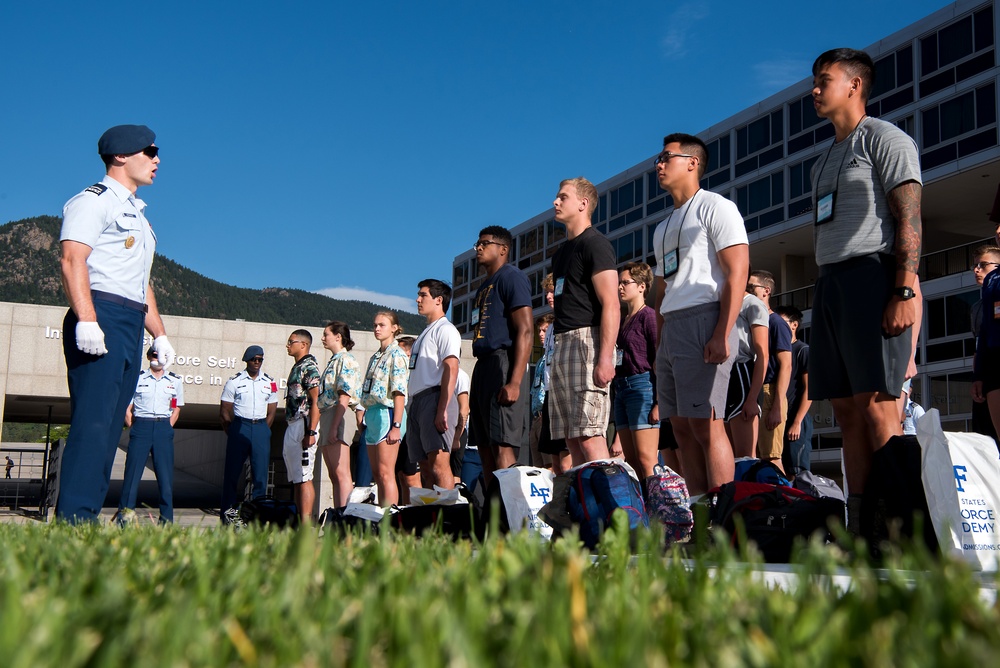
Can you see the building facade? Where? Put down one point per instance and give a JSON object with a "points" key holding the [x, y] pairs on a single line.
{"points": [[936, 79]]}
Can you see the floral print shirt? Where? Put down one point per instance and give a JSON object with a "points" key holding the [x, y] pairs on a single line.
{"points": [[387, 373], [342, 375]]}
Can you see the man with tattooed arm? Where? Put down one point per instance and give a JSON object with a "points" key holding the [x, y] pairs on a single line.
{"points": [[866, 201]]}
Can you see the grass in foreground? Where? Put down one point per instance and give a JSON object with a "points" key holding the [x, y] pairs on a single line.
{"points": [[97, 596]]}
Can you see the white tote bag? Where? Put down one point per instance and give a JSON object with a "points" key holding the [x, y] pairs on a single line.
{"points": [[525, 489], [961, 476]]}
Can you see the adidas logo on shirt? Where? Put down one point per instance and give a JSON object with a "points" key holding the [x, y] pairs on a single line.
{"points": [[853, 163]]}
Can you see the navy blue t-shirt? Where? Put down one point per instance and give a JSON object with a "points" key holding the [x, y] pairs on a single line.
{"points": [[800, 366], [504, 292], [779, 337]]}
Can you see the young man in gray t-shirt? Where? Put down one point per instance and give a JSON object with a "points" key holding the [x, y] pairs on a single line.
{"points": [[866, 200]]}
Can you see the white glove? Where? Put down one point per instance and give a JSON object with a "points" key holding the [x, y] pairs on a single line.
{"points": [[164, 351], [90, 338]]}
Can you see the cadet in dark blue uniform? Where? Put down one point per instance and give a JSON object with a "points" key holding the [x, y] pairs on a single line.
{"points": [[107, 251], [249, 402], [152, 416]]}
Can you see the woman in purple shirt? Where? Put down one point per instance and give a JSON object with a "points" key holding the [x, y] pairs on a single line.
{"points": [[637, 418]]}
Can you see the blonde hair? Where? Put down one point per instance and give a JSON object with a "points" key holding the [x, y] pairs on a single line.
{"points": [[393, 320], [584, 190]]}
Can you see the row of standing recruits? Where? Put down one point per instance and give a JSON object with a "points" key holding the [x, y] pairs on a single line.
{"points": [[866, 200]]}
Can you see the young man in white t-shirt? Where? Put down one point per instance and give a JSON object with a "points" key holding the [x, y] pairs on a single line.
{"points": [[702, 264], [430, 430]]}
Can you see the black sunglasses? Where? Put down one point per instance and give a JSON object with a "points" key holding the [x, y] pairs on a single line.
{"points": [[150, 151]]}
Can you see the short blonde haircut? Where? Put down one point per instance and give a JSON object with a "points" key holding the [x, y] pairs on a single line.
{"points": [[584, 190]]}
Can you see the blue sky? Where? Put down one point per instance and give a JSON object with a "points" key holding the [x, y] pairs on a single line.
{"points": [[354, 149]]}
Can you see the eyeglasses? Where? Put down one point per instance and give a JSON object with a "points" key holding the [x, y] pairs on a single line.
{"points": [[292, 342], [482, 243], [983, 265], [752, 286], [150, 152], [258, 360], [666, 155], [624, 283]]}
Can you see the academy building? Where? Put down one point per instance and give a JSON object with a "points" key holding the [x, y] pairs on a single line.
{"points": [[937, 80]]}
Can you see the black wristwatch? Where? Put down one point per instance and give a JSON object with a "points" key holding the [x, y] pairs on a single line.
{"points": [[904, 293], [397, 425], [312, 432]]}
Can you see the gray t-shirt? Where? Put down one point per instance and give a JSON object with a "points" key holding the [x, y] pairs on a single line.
{"points": [[871, 161], [753, 312]]}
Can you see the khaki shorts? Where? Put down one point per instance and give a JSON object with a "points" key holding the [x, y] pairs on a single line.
{"points": [[299, 463], [577, 407], [770, 442]]}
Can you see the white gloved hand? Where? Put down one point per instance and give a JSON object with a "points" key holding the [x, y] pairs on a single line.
{"points": [[164, 351], [90, 338]]}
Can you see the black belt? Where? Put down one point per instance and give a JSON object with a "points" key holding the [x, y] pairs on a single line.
{"points": [[166, 419], [118, 299], [257, 421]]}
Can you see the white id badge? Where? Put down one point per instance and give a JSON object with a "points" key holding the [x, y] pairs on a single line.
{"points": [[367, 387], [413, 360], [670, 264], [618, 356], [475, 317], [559, 286], [824, 208]]}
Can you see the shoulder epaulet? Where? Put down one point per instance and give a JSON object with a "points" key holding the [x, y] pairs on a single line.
{"points": [[266, 376], [171, 373], [97, 189], [235, 376]]}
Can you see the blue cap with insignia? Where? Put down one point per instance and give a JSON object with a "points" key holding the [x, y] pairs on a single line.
{"points": [[125, 140], [253, 351]]}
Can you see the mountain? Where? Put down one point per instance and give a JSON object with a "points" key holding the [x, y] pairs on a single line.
{"points": [[29, 274]]}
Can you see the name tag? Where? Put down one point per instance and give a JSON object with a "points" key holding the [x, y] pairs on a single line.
{"points": [[475, 316], [618, 356], [670, 264], [824, 208], [413, 360], [367, 387], [996, 310], [560, 283]]}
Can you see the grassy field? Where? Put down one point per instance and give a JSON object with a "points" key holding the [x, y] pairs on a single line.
{"points": [[97, 596]]}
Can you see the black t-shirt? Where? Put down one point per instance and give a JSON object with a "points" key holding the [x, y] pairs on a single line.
{"points": [[800, 365], [573, 266], [506, 291]]}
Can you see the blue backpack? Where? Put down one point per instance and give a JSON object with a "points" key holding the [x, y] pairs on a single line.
{"points": [[749, 469], [596, 491]]}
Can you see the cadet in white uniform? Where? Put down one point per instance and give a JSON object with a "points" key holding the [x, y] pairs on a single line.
{"points": [[249, 402], [152, 415], [107, 251]]}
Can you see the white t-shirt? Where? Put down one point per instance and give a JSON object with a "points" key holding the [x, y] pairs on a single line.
{"points": [[439, 341], [462, 385], [704, 225], [753, 312]]}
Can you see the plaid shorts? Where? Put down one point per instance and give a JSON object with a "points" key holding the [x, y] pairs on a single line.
{"points": [[577, 407]]}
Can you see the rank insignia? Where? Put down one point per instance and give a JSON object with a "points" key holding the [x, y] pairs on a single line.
{"points": [[130, 242]]}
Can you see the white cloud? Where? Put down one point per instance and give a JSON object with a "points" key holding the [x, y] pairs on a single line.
{"points": [[680, 25], [394, 302], [781, 73]]}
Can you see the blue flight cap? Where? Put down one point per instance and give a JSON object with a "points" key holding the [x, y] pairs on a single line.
{"points": [[252, 351], [125, 140]]}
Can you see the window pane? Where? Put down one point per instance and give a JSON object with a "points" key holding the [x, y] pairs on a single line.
{"points": [[935, 319], [955, 41], [958, 116]]}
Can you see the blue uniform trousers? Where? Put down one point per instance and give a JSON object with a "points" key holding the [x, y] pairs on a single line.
{"points": [[100, 389], [156, 436], [246, 439]]}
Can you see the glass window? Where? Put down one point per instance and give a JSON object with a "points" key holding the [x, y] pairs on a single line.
{"points": [[955, 41], [461, 274], [950, 393], [959, 115], [761, 194]]}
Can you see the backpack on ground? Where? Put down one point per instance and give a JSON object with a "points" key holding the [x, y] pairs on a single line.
{"points": [[270, 511], [596, 491], [818, 486], [668, 501], [751, 469], [454, 520], [773, 516]]}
